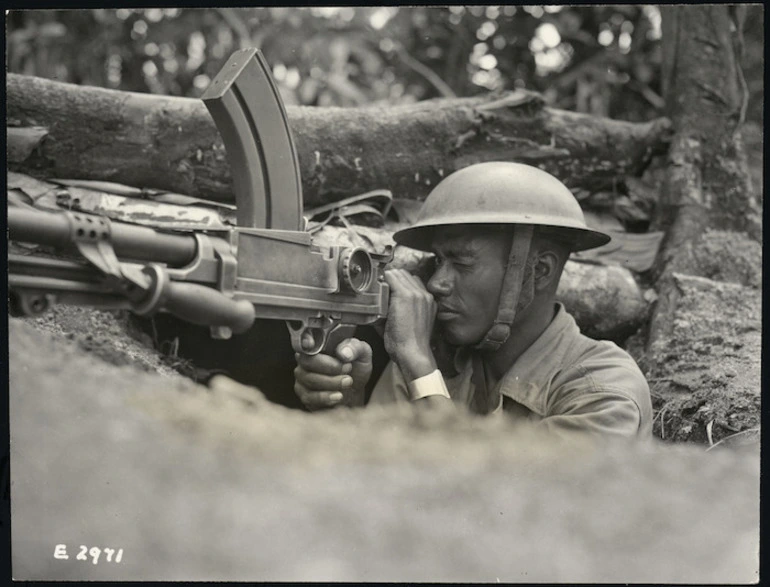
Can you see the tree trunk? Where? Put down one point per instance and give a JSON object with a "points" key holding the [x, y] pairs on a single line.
{"points": [[708, 185], [67, 131]]}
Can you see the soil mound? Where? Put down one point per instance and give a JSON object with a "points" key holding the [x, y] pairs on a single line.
{"points": [[197, 483]]}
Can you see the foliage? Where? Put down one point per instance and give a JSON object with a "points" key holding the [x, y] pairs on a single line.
{"points": [[603, 60]]}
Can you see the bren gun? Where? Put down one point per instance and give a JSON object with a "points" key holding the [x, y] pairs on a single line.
{"points": [[266, 267]]}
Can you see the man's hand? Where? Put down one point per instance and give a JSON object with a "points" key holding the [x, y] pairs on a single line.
{"points": [[324, 381], [409, 326]]}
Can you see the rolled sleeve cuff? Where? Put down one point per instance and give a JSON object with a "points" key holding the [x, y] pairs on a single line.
{"points": [[431, 384]]}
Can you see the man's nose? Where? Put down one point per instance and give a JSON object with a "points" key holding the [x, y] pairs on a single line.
{"points": [[440, 283]]}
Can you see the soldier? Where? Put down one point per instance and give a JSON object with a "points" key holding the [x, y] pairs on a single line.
{"points": [[501, 234]]}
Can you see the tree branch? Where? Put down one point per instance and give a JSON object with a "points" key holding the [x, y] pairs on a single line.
{"points": [[239, 27], [425, 72]]}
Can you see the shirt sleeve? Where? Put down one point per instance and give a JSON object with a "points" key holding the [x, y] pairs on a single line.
{"points": [[599, 414], [390, 388]]}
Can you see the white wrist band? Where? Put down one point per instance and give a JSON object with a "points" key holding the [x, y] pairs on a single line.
{"points": [[431, 384]]}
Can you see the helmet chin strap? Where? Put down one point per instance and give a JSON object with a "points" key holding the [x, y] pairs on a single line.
{"points": [[510, 290]]}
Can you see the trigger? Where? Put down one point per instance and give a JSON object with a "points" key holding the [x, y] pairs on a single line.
{"points": [[297, 333], [325, 340]]}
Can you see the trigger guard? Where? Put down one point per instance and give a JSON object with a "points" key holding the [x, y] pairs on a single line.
{"points": [[319, 338]]}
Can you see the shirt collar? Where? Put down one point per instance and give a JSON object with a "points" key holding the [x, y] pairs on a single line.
{"points": [[527, 380]]}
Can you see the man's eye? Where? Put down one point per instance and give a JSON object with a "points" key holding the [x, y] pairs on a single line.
{"points": [[463, 262], [458, 264]]}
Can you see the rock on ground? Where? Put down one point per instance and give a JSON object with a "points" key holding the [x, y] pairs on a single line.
{"points": [[197, 483], [605, 300]]}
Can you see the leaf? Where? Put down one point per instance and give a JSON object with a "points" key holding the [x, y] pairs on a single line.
{"points": [[407, 210], [625, 209], [34, 188], [52, 30], [103, 186], [642, 193], [602, 221], [636, 252], [19, 198], [599, 200], [22, 141]]}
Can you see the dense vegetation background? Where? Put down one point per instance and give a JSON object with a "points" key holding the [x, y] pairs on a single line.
{"points": [[602, 60]]}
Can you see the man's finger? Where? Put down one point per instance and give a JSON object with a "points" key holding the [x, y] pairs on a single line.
{"points": [[414, 281], [394, 280], [307, 340], [321, 363], [314, 400], [405, 286], [401, 281], [318, 382], [353, 350]]}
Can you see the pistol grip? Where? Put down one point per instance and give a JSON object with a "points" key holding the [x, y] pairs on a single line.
{"points": [[335, 336]]}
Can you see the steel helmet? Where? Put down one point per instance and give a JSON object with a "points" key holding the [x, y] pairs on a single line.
{"points": [[502, 192], [499, 192]]}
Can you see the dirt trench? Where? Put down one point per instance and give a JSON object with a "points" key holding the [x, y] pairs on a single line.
{"points": [[112, 448]]}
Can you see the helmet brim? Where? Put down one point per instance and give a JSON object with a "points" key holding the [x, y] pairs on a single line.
{"points": [[578, 239]]}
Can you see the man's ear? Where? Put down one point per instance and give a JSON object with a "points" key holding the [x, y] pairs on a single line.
{"points": [[547, 270]]}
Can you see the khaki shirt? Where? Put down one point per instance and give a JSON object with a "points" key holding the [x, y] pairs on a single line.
{"points": [[564, 382]]}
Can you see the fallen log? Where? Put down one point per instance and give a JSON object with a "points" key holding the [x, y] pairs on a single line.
{"points": [[64, 130]]}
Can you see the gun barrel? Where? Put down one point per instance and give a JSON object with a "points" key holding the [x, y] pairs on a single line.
{"points": [[128, 240]]}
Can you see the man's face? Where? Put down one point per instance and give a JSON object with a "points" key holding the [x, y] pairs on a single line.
{"points": [[470, 266]]}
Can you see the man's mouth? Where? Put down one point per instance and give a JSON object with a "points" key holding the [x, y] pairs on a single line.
{"points": [[445, 313]]}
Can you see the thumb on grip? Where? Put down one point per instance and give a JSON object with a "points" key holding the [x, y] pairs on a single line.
{"points": [[336, 336], [359, 351]]}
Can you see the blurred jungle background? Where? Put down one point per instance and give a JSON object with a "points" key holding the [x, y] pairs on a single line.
{"points": [[602, 60]]}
